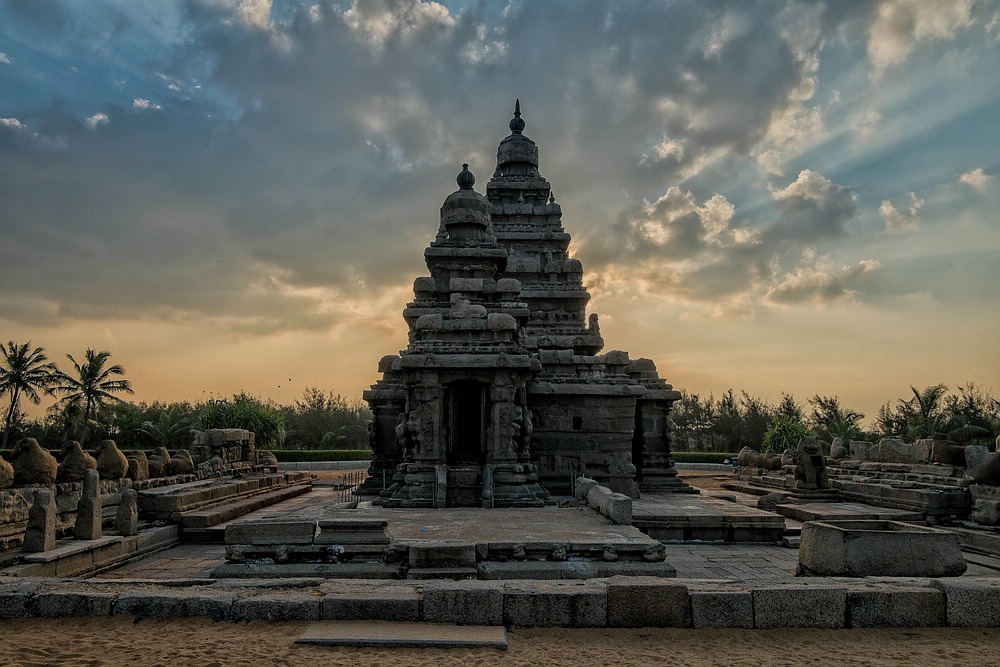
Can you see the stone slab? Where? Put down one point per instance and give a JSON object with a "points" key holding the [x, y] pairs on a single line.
{"points": [[438, 554], [15, 596], [289, 605], [971, 601], [270, 532], [368, 601], [386, 634], [888, 606], [173, 603], [568, 604], [721, 608], [799, 606], [640, 602], [463, 602]]}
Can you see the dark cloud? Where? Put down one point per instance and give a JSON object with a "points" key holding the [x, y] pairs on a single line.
{"points": [[290, 158]]}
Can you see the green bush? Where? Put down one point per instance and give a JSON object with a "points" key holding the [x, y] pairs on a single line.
{"points": [[313, 455], [247, 412], [703, 457]]}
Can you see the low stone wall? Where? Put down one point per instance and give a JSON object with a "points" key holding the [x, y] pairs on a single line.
{"points": [[615, 506], [15, 502], [613, 602]]}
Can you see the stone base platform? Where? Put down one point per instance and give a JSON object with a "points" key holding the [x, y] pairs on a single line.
{"points": [[84, 558], [382, 543], [684, 518]]}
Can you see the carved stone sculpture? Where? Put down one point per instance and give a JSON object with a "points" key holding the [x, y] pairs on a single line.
{"points": [[6, 474], [159, 462], [111, 462], [127, 517], [32, 464], [181, 463], [88, 512], [75, 463], [40, 534], [138, 466]]}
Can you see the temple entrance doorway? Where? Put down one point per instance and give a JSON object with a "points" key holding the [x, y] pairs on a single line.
{"points": [[467, 423]]}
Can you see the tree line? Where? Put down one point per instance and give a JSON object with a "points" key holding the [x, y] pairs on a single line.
{"points": [[969, 415], [90, 407]]}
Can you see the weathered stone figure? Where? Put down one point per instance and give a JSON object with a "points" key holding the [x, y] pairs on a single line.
{"points": [[75, 463], [138, 466], [159, 462], [181, 463], [111, 462], [32, 464], [88, 512], [127, 517], [41, 531], [6, 474], [810, 465]]}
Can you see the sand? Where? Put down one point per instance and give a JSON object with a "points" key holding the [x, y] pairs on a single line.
{"points": [[94, 642]]}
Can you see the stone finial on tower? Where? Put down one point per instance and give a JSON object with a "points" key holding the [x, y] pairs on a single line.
{"points": [[517, 123], [465, 179]]}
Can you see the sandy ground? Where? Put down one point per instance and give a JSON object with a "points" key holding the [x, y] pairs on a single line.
{"points": [[94, 642]]}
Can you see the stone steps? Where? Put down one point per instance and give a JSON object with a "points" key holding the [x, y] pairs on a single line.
{"points": [[200, 522]]}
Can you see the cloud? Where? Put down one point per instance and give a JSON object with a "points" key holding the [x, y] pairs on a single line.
{"points": [[4, 60], [143, 104], [812, 208], [976, 179], [905, 220], [99, 118], [816, 282], [899, 25]]}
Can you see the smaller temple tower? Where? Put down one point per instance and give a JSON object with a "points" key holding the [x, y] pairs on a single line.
{"points": [[461, 381]]}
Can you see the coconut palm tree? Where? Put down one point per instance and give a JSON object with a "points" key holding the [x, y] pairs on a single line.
{"points": [[92, 384], [24, 371], [924, 412]]}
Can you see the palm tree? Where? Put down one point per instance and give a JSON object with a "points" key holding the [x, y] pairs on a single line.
{"points": [[24, 371], [93, 384], [924, 415], [168, 428]]}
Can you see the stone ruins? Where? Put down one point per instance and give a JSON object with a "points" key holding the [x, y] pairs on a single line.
{"points": [[502, 396]]}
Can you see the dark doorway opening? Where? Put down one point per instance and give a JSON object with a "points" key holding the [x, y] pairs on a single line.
{"points": [[638, 442], [467, 403]]}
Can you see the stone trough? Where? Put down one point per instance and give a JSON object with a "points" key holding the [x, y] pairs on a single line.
{"points": [[878, 548]]}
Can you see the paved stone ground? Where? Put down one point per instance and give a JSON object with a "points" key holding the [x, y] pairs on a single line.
{"points": [[732, 562]]}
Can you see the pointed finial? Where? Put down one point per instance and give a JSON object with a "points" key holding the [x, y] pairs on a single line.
{"points": [[466, 179], [517, 123]]}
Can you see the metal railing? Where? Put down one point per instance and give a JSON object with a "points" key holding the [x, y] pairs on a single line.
{"points": [[348, 484]]}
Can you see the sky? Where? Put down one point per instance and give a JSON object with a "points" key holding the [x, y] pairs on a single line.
{"points": [[774, 196]]}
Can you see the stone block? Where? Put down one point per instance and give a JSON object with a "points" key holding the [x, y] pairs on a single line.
{"points": [[175, 603], [721, 608], [15, 596], [971, 601], [986, 512], [57, 603], [619, 509], [463, 602], [799, 606], [887, 606], [442, 554], [40, 535], [351, 531], [639, 602], [567, 604], [88, 512], [894, 450], [975, 456], [289, 605], [583, 487], [878, 548], [356, 601], [270, 532]]}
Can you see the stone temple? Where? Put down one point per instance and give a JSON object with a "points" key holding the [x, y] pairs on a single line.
{"points": [[502, 396]]}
